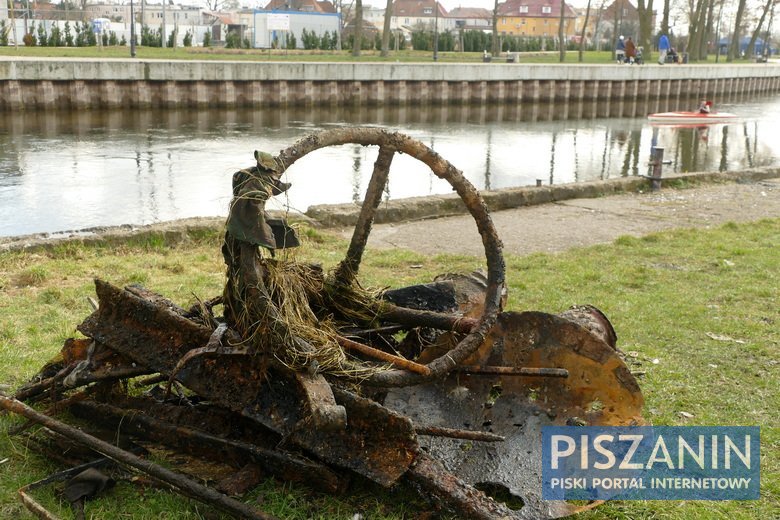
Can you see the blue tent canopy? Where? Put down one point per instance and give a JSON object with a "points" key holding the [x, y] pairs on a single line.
{"points": [[723, 45]]}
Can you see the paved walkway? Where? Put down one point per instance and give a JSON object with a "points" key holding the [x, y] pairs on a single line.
{"points": [[582, 222]]}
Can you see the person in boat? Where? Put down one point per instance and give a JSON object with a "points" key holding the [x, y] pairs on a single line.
{"points": [[705, 107]]}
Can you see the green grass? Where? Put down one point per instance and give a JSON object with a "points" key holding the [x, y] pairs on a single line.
{"points": [[199, 53], [664, 293]]}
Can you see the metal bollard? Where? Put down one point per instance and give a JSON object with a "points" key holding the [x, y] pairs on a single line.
{"points": [[656, 160]]}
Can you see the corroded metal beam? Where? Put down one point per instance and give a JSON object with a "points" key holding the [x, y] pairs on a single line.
{"points": [[153, 335], [185, 485]]}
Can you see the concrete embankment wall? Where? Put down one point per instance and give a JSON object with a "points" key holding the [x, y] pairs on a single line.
{"points": [[76, 83]]}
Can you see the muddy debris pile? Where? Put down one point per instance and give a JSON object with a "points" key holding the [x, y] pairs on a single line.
{"points": [[300, 373]]}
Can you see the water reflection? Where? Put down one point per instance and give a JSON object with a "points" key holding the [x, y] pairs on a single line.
{"points": [[73, 170]]}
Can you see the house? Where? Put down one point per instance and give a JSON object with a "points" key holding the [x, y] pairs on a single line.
{"points": [[306, 6], [148, 14], [622, 17], [472, 18], [534, 18], [374, 16], [420, 14], [222, 23]]}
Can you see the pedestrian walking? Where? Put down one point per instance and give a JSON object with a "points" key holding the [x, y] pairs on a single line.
{"points": [[630, 50], [663, 48], [620, 50]]}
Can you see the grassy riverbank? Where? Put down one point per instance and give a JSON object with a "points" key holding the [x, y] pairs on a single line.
{"points": [[703, 303], [200, 53]]}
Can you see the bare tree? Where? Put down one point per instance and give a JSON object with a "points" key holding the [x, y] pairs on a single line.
{"points": [[386, 29], [617, 23], [709, 32], [580, 55], [494, 39], [665, 18], [358, 29], [213, 5], [597, 25], [768, 7], [735, 36], [696, 28], [645, 11], [561, 35]]}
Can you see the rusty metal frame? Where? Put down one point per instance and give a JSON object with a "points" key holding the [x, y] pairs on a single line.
{"points": [[389, 143]]}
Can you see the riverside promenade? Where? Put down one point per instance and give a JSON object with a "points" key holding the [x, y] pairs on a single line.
{"points": [[581, 220], [79, 83]]}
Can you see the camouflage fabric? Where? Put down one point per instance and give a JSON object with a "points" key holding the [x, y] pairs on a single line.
{"points": [[266, 161], [248, 220]]}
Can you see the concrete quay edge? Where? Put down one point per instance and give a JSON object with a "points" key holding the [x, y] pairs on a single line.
{"points": [[394, 211]]}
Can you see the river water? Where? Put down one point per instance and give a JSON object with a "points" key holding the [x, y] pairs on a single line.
{"points": [[64, 171]]}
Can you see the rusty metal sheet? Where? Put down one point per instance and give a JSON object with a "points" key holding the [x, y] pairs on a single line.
{"points": [[376, 443], [174, 426], [599, 390]]}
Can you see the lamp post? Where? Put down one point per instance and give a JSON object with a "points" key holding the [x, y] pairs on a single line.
{"points": [[436, 30], [132, 30]]}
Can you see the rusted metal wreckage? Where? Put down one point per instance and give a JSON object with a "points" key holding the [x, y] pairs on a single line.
{"points": [[310, 378]]}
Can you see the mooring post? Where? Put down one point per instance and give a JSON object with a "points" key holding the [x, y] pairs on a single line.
{"points": [[656, 160]]}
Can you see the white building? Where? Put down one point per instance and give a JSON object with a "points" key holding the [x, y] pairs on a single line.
{"points": [[275, 25]]}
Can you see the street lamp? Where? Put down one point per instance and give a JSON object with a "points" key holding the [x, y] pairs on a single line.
{"points": [[436, 30], [132, 30]]}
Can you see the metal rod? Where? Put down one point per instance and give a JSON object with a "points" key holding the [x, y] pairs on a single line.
{"points": [[513, 371], [418, 318], [348, 268], [180, 482], [381, 355], [389, 329], [472, 435], [55, 382]]}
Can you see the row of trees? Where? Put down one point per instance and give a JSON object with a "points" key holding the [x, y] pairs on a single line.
{"points": [[81, 35], [77, 35], [327, 42], [153, 37], [703, 16], [704, 24]]}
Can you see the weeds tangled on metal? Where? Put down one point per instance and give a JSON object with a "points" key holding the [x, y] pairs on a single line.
{"points": [[303, 338]]}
